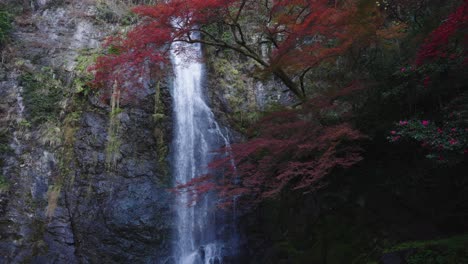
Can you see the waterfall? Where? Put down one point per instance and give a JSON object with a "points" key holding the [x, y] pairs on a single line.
{"points": [[198, 238]]}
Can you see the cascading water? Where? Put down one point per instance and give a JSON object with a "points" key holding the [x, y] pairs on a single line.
{"points": [[199, 238]]}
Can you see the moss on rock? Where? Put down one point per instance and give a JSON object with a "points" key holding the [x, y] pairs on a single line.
{"points": [[43, 93]]}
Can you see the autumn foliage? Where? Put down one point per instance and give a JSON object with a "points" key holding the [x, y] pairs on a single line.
{"points": [[289, 150], [286, 38], [449, 40], [128, 59], [294, 148]]}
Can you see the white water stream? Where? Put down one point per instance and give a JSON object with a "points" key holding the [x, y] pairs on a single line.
{"points": [[198, 239]]}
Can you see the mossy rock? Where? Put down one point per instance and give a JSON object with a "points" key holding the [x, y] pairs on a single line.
{"points": [[42, 96]]}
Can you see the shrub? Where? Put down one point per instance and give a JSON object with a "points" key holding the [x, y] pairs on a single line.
{"points": [[5, 25], [446, 142], [42, 95]]}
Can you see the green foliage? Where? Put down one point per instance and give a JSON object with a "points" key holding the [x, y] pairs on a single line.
{"points": [[443, 251], [63, 137], [115, 11], [233, 82], [159, 111], [4, 184], [82, 85], [446, 140], [24, 124], [244, 120], [84, 60], [116, 111], [429, 79], [4, 140], [113, 50], [428, 256], [402, 88], [83, 77], [456, 242], [51, 134], [219, 31], [348, 234], [105, 13], [5, 25], [350, 241], [4, 147], [42, 96]]}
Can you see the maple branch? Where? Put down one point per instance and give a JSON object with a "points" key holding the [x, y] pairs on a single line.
{"points": [[223, 44], [240, 11], [301, 78], [279, 72]]}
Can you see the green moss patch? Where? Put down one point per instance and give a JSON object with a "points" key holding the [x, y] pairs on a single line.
{"points": [[42, 96]]}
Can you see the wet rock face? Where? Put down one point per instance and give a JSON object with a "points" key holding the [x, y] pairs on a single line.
{"points": [[237, 94], [121, 213], [104, 213]]}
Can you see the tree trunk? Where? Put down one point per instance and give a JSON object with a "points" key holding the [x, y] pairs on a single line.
{"points": [[292, 86]]}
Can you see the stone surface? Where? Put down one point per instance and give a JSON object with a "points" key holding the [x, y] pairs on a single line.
{"points": [[104, 214]]}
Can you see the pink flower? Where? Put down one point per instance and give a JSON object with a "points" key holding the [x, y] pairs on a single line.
{"points": [[439, 130], [453, 141], [393, 132], [403, 123], [395, 138], [453, 130], [403, 69], [425, 123]]}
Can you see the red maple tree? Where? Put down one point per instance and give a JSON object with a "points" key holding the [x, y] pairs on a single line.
{"points": [[127, 58], [286, 38], [290, 149], [449, 40]]}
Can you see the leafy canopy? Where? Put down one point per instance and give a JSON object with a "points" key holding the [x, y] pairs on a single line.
{"points": [[286, 38]]}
